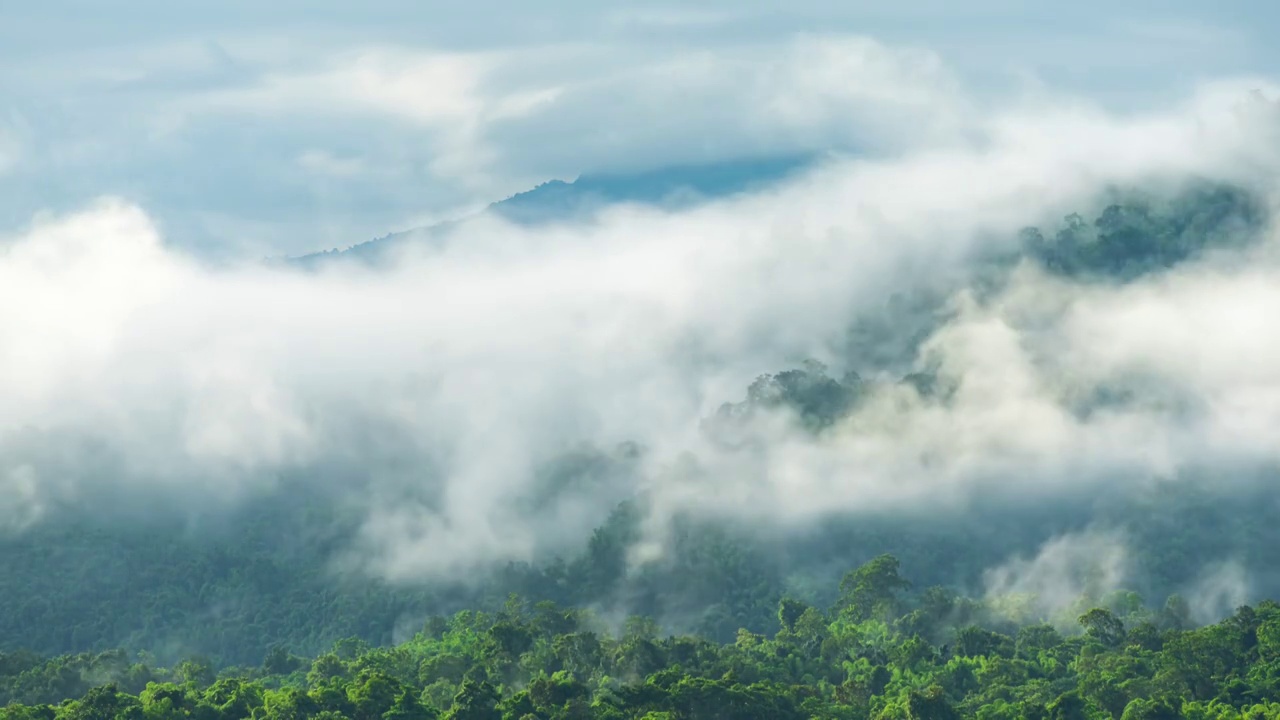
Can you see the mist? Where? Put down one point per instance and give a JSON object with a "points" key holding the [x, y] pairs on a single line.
{"points": [[426, 397]]}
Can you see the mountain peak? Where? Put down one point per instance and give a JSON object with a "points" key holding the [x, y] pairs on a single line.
{"points": [[556, 200]]}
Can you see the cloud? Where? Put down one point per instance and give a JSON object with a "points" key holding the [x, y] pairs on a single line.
{"points": [[811, 93], [431, 392], [201, 118], [492, 119], [421, 87], [1218, 591], [1065, 570], [427, 130]]}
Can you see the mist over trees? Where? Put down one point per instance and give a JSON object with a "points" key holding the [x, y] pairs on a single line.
{"points": [[230, 585], [855, 368]]}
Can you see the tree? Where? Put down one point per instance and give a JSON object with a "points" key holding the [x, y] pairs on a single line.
{"points": [[872, 589], [278, 661], [930, 704], [408, 707], [510, 639], [373, 694], [290, 704], [1103, 626], [1141, 709], [1068, 706], [196, 671], [789, 611], [974, 641], [325, 668], [474, 701], [105, 702]]}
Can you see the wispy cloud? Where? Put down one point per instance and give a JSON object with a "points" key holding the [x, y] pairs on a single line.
{"points": [[1219, 591], [129, 365], [1064, 572], [201, 116]]}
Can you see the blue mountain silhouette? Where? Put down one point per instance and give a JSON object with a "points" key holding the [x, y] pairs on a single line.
{"points": [[557, 200]]}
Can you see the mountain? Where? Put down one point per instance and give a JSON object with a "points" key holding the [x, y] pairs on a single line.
{"points": [[176, 579], [676, 186]]}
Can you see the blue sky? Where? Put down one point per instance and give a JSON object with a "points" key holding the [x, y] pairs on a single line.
{"points": [[250, 128]]}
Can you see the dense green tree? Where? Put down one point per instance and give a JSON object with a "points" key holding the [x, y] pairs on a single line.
{"points": [[1103, 626], [872, 590], [474, 701]]}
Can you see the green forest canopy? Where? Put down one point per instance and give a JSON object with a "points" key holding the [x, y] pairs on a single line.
{"points": [[873, 654]]}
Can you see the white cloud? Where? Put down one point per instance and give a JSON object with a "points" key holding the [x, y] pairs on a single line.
{"points": [[436, 130], [1065, 571], [201, 116], [472, 363], [494, 119], [421, 87]]}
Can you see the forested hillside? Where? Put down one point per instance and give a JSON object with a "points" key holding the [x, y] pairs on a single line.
{"points": [[872, 653], [639, 361], [766, 627]]}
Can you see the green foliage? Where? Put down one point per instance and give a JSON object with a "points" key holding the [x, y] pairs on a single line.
{"points": [[1103, 626], [855, 662], [1138, 233], [872, 590]]}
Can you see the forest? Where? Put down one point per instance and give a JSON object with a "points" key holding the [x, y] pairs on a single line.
{"points": [[875, 652], [129, 609]]}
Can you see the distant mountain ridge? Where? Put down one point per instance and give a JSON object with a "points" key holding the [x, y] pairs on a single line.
{"points": [[556, 200]]}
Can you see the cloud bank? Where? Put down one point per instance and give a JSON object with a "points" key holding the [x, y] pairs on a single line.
{"points": [[434, 390]]}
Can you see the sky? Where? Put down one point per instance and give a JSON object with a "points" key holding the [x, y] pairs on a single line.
{"points": [[249, 129], [149, 159]]}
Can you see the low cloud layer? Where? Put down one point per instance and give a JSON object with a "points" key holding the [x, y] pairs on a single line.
{"points": [[435, 390]]}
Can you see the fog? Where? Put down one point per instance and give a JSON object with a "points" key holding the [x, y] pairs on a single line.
{"points": [[427, 394]]}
